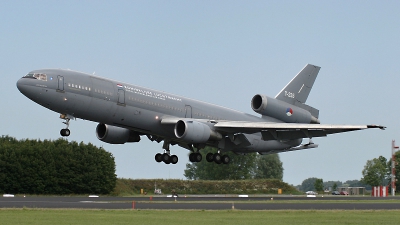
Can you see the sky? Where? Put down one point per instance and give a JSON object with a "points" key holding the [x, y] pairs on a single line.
{"points": [[222, 52]]}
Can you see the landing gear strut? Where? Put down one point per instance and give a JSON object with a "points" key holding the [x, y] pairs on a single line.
{"points": [[166, 157], [65, 132]]}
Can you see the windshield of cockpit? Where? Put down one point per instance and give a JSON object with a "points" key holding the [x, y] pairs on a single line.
{"points": [[38, 76]]}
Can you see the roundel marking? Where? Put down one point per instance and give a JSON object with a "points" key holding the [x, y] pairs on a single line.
{"points": [[289, 111]]}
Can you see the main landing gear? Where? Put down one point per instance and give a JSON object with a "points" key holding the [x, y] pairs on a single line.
{"points": [[210, 157], [166, 157], [195, 157], [65, 132], [217, 158]]}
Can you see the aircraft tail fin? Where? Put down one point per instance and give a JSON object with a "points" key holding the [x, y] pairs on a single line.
{"points": [[297, 90]]}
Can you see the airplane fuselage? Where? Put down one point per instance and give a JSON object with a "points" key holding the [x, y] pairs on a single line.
{"points": [[129, 106]]}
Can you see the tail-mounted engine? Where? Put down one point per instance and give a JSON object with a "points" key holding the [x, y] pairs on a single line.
{"points": [[280, 110], [115, 135]]}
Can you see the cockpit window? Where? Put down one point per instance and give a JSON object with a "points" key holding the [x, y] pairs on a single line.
{"points": [[38, 76]]}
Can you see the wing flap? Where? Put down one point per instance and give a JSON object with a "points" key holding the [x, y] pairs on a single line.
{"points": [[291, 134]]}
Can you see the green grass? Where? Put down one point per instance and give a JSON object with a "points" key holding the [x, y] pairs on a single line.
{"points": [[319, 200], [165, 217]]}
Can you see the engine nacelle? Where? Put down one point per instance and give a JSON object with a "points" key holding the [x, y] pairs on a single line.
{"points": [[280, 110], [195, 132], [115, 135]]}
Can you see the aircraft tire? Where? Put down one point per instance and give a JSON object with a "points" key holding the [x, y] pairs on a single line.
{"points": [[210, 157], [217, 158], [166, 158], [65, 132], [191, 157], [174, 159], [158, 157], [197, 157], [225, 159]]}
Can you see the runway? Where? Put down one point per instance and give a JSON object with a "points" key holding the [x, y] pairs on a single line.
{"points": [[205, 203]]}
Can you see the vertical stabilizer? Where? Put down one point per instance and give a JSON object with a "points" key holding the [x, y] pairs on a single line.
{"points": [[297, 90]]}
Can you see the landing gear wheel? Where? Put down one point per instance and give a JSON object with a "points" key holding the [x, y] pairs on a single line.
{"points": [[225, 159], [166, 158], [191, 157], [158, 157], [65, 132], [197, 157], [210, 157], [217, 158], [174, 159]]}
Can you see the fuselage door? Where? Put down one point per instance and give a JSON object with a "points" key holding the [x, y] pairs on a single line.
{"points": [[188, 109], [121, 96], [60, 86]]}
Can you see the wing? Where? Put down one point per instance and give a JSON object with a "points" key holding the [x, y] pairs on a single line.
{"points": [[287, 131], [277, 131]]}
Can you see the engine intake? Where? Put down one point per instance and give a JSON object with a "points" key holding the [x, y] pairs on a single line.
{"points": [[280, 110], [115, 135], [195, 132]]}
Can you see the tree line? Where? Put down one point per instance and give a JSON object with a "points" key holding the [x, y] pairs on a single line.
{"points": [[183, 187], [376, 172], [54, 167], [317, 184]]}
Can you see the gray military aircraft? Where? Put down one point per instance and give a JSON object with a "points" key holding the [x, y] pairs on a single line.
{"points": [[125, 112]]}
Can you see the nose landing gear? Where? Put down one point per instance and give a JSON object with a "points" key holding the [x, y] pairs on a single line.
{"points": [[65, 132]]}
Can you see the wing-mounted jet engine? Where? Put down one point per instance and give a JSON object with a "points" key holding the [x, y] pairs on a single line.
{"points": [[115, 135], [195, 132]]}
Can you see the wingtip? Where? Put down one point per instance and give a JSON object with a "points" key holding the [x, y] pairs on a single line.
{"points": [[376, 126]]}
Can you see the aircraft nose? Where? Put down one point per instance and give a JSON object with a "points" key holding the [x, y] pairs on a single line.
{"points": [[21, 85]]}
